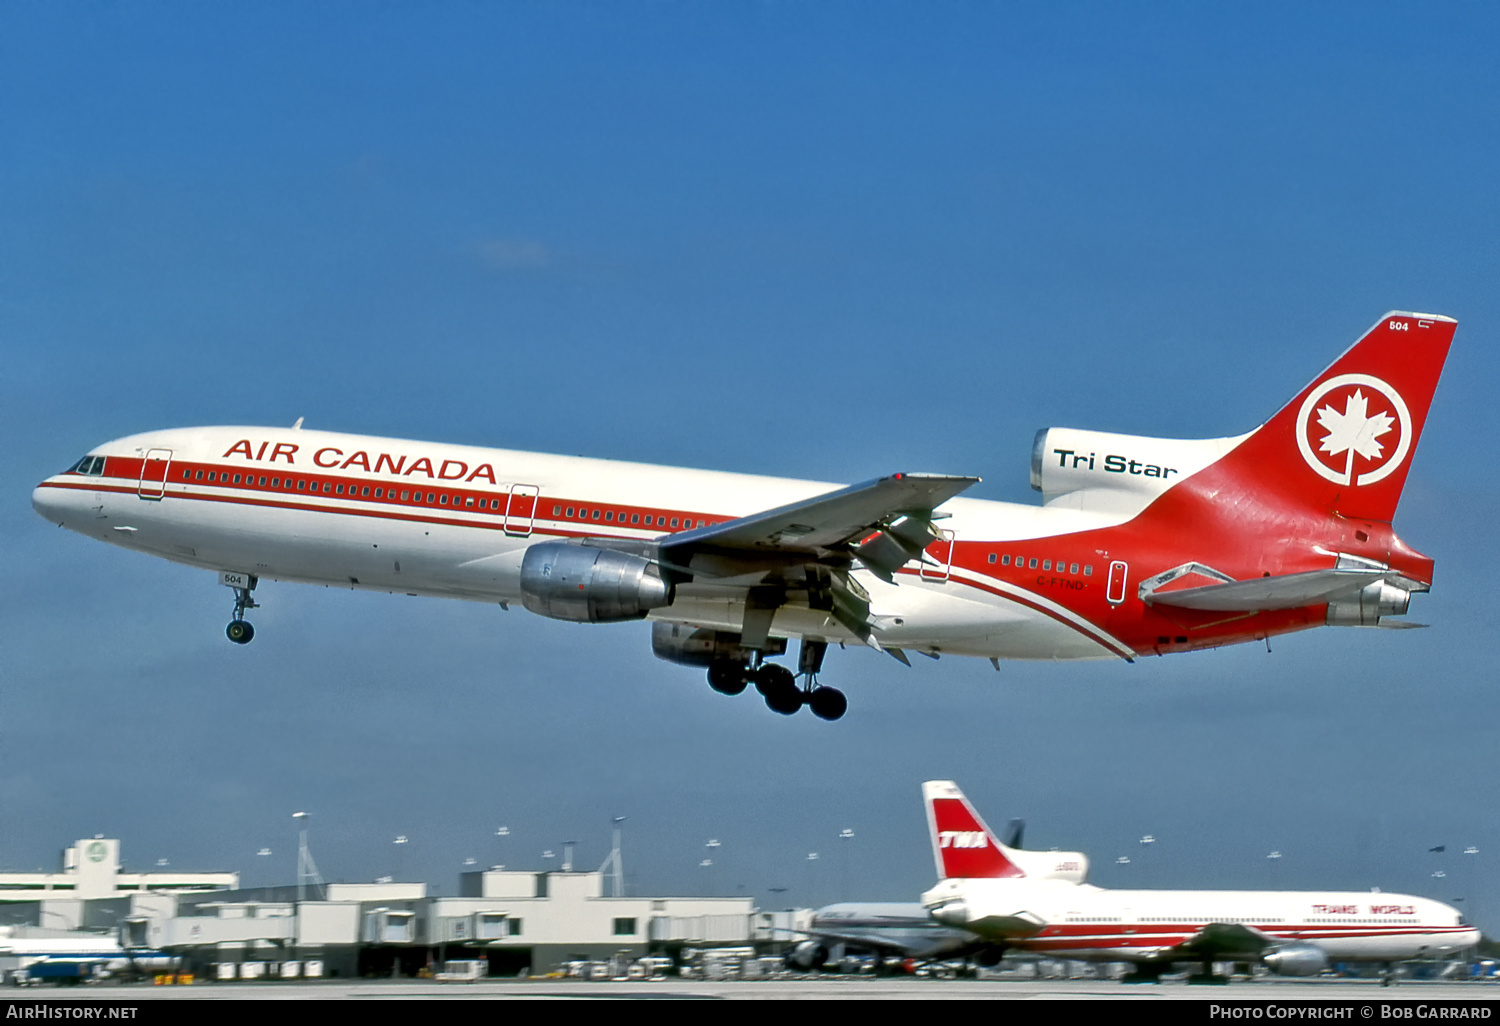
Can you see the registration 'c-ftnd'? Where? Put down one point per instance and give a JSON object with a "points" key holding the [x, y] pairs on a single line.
{"points": [[1141, 546]]}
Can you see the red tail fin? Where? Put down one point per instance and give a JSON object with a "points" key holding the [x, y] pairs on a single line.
{"points": [[1344, 444], [962, 845]]}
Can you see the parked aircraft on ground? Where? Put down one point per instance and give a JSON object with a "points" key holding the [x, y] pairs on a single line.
{"points": [[1038, 902], [887, 930], [1142, 546], [71, 958]]}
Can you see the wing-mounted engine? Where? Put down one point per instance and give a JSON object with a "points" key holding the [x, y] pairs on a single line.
{"points": [[591, 585], [1109, 473], [703, 647], [1302, 959]]}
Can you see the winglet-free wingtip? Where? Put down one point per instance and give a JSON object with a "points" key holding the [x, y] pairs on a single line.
{"points": [[297, 426]]}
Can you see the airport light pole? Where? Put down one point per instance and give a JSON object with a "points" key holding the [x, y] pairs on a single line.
{"points": [[502, 833], [812, 858], [400, 842], [1471, 850], [713, 848], [307, 869], [613, 864], [845, 836]]}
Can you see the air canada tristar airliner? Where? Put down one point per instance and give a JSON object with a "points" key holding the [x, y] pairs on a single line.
{"points": [[1141, 546], [1037, 901]]}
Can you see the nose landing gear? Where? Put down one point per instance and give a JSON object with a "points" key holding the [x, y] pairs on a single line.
{"points": [[240, 630]]}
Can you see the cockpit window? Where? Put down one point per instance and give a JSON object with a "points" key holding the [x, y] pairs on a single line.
{"points": [[93, 466]]}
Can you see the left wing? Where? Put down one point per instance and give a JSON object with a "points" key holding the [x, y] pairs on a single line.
{"points": [[811, 547], [827, 522], [1222, 941]]}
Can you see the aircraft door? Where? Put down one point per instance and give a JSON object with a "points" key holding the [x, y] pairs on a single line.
{"points": [[941, 551], [1119, 571], [520, 509], [153, 483]]}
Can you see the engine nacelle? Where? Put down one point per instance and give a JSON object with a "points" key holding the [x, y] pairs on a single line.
{"points": [[1296, 960], [590, 585], [703, 647], [1367, 607], [807, 956], [1108, 473]]}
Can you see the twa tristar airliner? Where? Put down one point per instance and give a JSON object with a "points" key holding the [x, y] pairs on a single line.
{"points": [[1038, 901], [1141, 546]]}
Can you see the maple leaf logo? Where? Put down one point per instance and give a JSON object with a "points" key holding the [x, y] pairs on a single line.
{"points": [[1353, 431]]}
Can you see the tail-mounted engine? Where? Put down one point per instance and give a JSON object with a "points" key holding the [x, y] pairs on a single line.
{"points": [[1108, 473], [591, 585]]}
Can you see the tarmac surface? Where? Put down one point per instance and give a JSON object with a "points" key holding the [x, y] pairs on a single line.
{"points": [[827, 988]]}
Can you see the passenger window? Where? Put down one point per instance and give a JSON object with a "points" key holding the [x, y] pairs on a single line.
{"points": [[198, 476], [674, 521], [1072, 568], [404, 495], [556, 510], [596, 514], [236, 479], [635, 518], [339, 489], [1088, 570], [262, 482], [610, 515], [992, 557], [1005, 561], [570, 512], [1032, 564], [469, 501], [364, 492]]}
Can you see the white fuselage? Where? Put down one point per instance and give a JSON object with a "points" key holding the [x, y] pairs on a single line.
{"points": [[1086, 922], [429, 519]]}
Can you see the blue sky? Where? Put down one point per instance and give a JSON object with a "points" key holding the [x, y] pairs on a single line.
{"points": [[818, 240]]}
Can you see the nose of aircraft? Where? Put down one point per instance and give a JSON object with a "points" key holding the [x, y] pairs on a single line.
{"points": [[49, 503]]}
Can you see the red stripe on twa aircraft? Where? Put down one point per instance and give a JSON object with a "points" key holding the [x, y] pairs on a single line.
{"points": [[1038, 902], [1141, 545]]}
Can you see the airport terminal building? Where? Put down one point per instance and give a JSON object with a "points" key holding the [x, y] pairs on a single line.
{"points": [[519, 922]]}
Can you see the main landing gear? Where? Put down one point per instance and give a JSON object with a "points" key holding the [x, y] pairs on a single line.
{"points": [[240, 630], [778, 686]]}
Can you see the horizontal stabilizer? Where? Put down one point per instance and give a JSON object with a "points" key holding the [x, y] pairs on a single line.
{"points": [[1287, 591]]}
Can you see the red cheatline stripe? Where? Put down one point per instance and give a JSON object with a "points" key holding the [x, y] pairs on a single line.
{"points": [[128, 470]]}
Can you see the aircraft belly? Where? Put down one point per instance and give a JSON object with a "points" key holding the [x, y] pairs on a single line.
{"points": [[934, 618], [324, 548]]}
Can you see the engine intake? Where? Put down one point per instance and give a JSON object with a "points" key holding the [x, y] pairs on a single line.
{"points": [[590, 585]]}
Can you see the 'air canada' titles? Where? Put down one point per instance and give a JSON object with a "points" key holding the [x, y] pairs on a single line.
{"points": [[331, 458]]}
